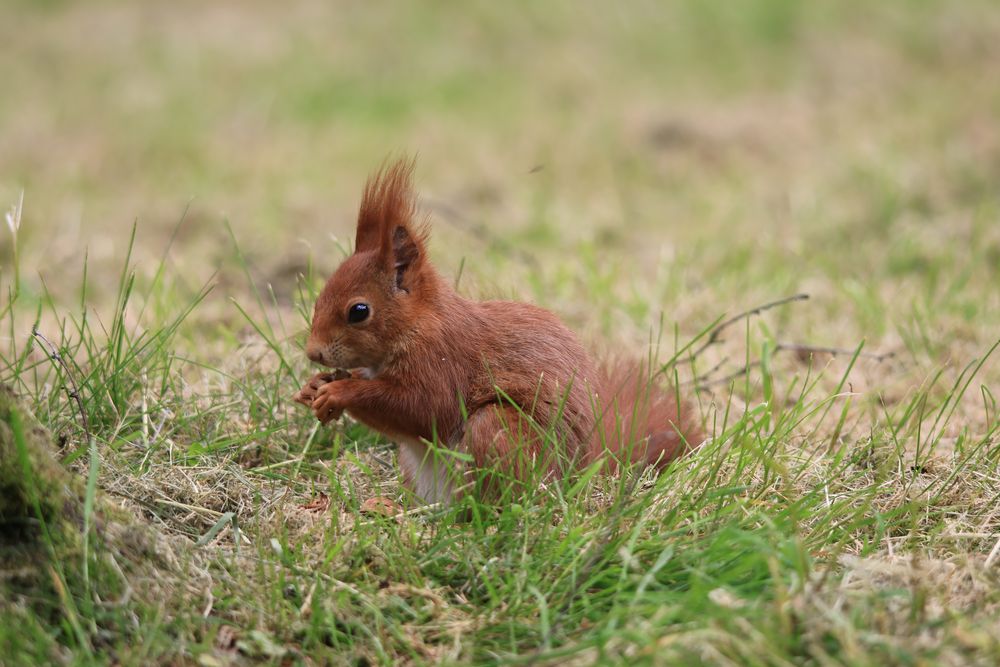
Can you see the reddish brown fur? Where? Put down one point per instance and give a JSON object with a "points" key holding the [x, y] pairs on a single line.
{"points": [[425, 353]]}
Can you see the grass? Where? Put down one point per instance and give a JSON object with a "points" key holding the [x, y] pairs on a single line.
{"points": [[189, 176]]}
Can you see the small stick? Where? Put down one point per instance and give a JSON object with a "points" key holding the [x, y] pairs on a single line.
{"points": [[702, 382], [716, 333], [994, 552], [73, 390], [833, 351], [711, 371]]}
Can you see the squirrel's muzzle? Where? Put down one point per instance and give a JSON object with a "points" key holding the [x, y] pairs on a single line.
{"points": [[315, 353]]}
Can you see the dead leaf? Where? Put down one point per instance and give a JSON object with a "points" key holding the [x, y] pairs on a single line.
{"points": [[321, 503], [380, 505]]}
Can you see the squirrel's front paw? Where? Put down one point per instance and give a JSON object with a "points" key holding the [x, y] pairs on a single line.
{"points": [[307, 394], [328, 404]]}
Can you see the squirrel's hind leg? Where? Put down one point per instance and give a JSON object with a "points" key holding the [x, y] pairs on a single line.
{"points": [[504, 444], [506, 448]]}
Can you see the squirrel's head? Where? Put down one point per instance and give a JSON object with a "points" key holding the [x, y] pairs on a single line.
{"points": [[373, 299]]}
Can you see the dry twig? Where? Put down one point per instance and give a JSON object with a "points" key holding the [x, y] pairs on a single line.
{"points": [[715, 335], [704, 381], [73, 390]]}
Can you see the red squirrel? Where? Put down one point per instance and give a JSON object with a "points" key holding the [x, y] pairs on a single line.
{"points": [[503, 382]]}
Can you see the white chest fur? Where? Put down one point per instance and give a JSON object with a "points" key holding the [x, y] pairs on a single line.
{"points": [[430, 473]]}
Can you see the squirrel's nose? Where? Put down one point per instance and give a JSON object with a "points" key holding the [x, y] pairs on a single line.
{"points": [[315, 353]]}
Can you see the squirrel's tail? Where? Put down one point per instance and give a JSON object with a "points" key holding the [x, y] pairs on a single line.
{"points": [[642, 420]]}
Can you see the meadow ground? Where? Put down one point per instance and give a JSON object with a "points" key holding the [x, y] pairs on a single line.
{"points": [[642, 169]]}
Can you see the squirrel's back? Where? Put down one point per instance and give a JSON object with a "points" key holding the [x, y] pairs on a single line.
{"points": [[535, 361]]}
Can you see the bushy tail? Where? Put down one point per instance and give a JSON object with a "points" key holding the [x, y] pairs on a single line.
{"points": [[642, 419]]}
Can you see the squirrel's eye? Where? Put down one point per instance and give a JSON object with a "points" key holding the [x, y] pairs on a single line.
{"points": [[359, 312]]}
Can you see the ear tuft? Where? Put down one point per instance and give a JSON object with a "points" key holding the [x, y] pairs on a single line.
{"points": [[387, 204]]}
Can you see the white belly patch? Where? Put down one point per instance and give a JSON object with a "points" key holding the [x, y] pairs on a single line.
{"points": [[430, 474]]}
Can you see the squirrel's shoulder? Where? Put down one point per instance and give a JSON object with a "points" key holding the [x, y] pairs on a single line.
{"points": [[517, 311], [517, 321]]}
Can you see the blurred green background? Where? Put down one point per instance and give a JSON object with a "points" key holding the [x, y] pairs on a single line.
{"points": [[611, 161]]}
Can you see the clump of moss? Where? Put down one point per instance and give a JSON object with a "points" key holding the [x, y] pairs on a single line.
{"points": [[41, 537], [56, 582], [38, 497]]}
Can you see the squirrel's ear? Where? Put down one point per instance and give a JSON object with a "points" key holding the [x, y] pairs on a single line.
{"points": [[372, 231], [407, 255], [369, 235], [386, 204]]}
